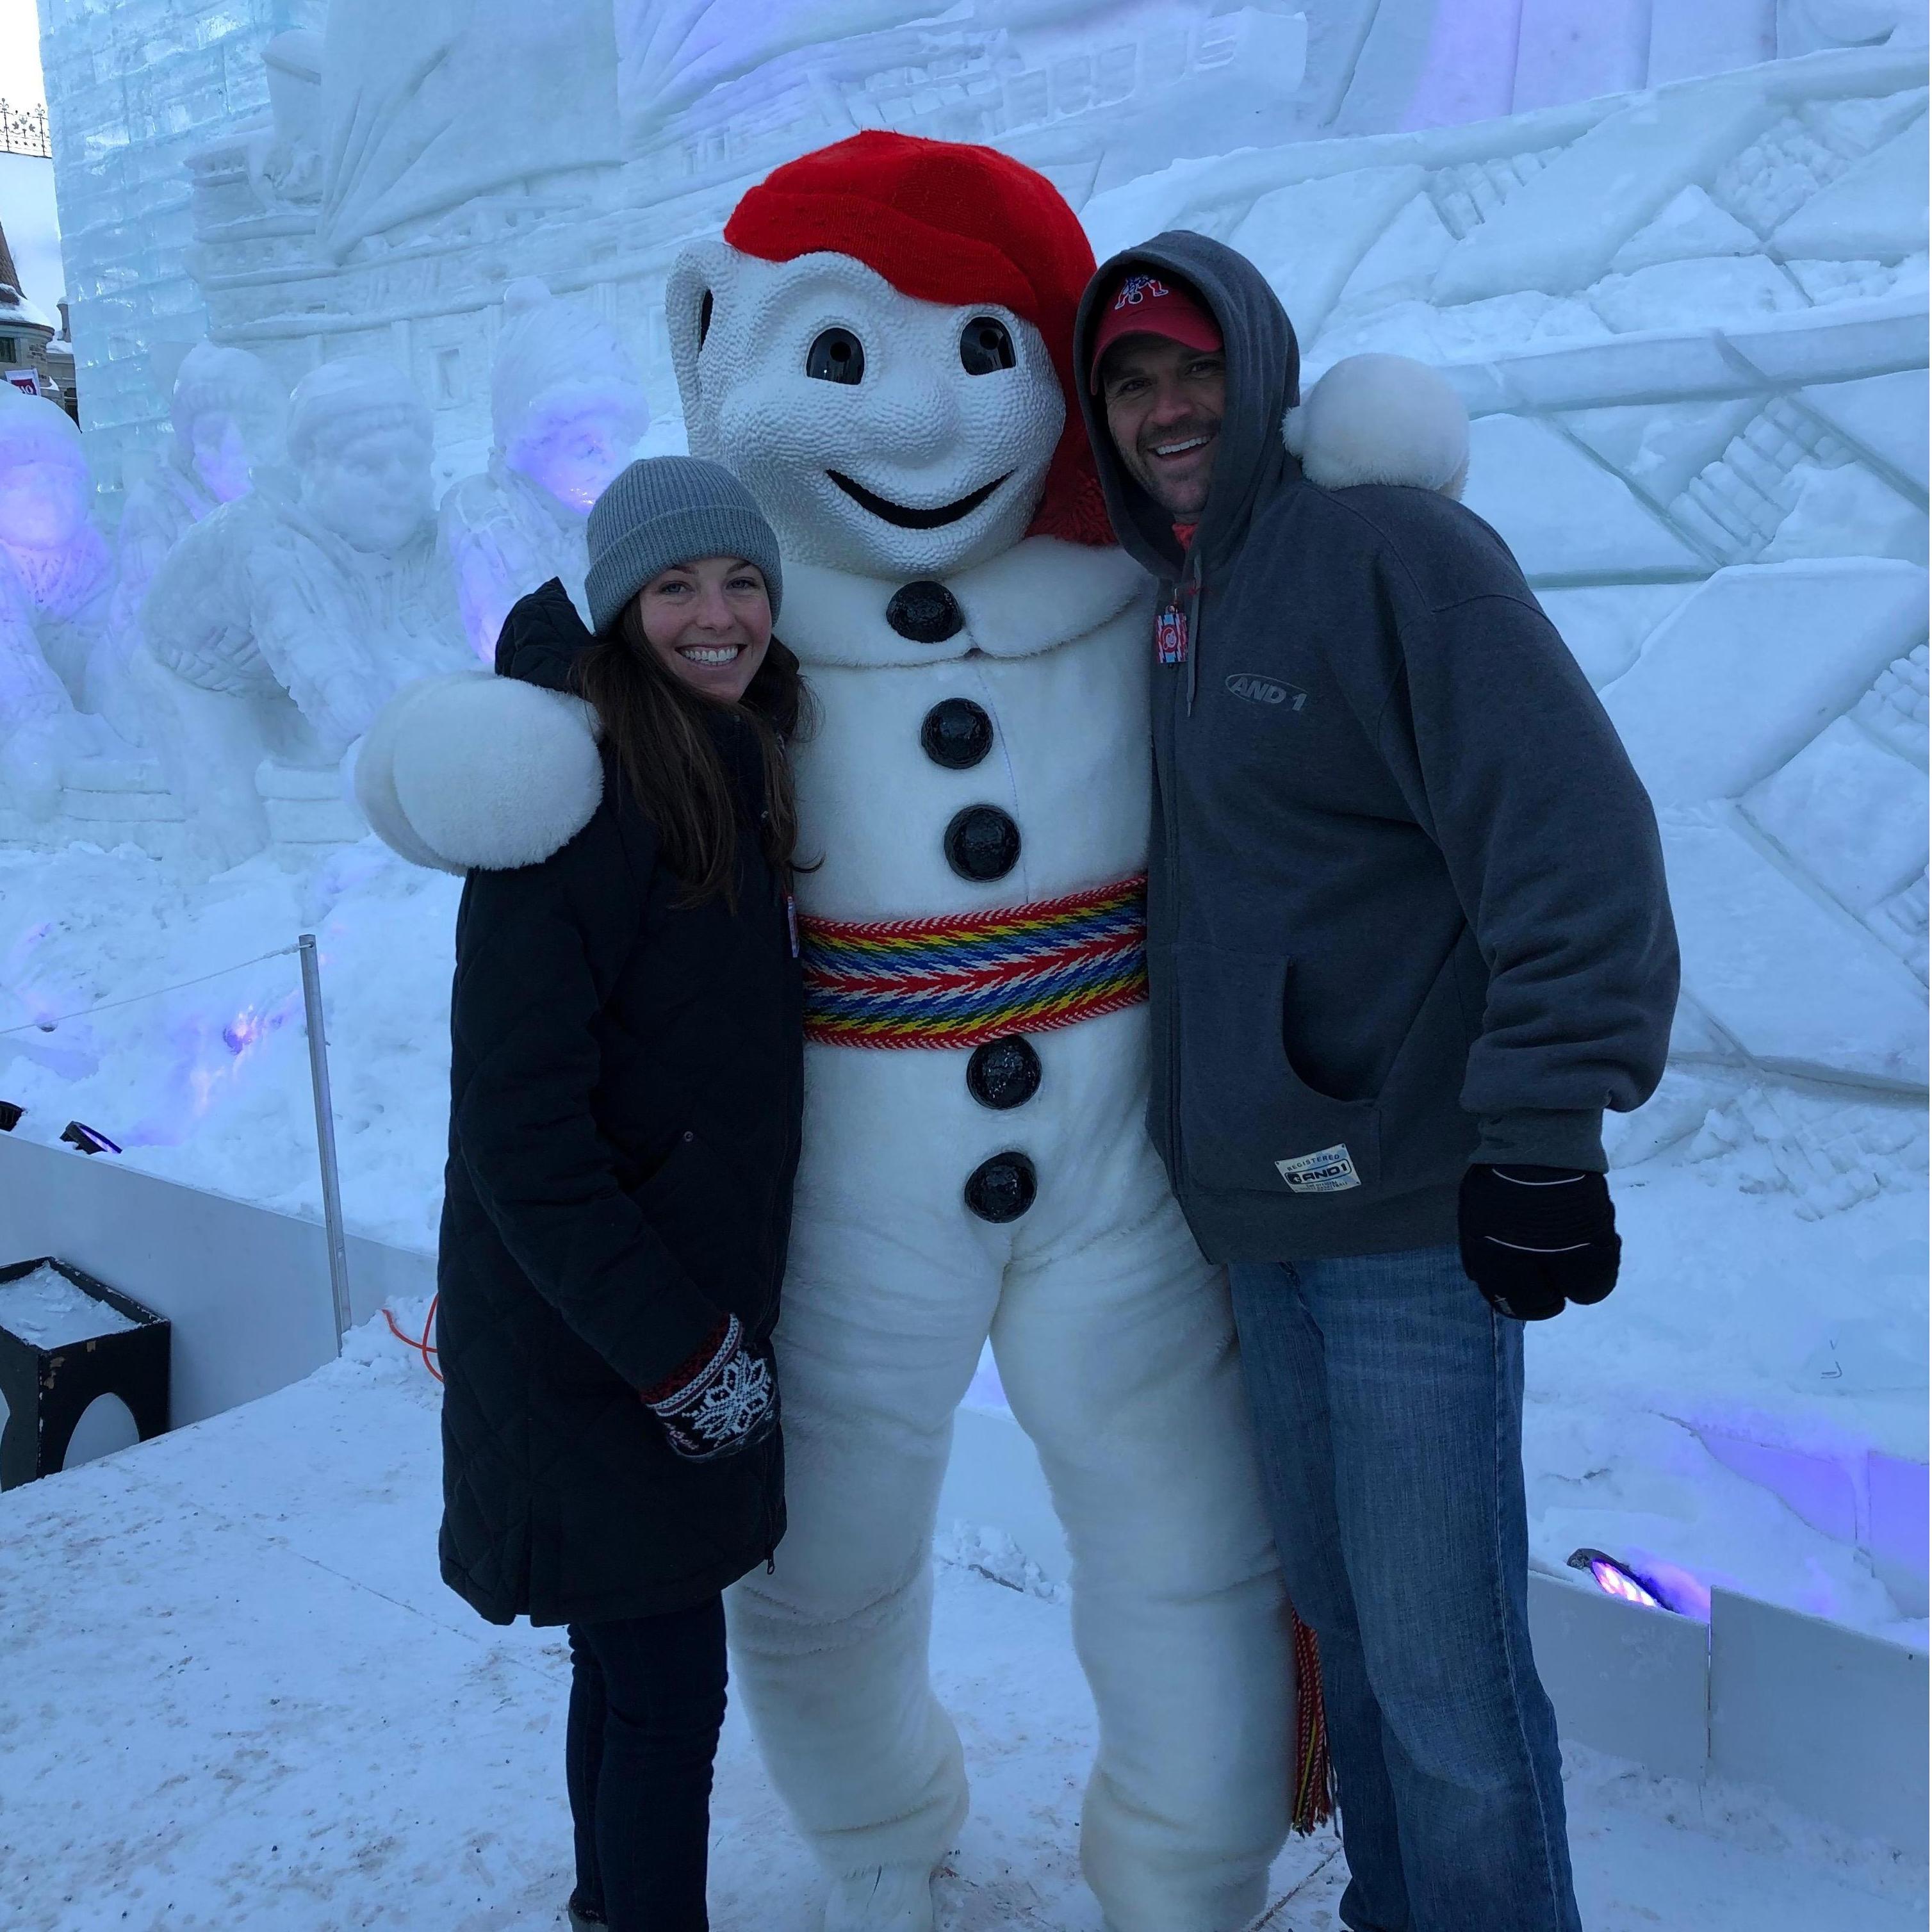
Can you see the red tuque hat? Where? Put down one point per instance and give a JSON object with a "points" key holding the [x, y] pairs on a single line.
{"points": [[945, 222]]}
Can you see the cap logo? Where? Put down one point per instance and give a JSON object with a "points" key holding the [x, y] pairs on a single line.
{"points": [[1138, 289]]}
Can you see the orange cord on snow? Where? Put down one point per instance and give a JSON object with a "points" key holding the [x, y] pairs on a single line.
{"points": [[422, 1345]]}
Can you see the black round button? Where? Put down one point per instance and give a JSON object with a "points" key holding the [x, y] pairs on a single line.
{"points": [[982, 843], [957, 733], [1004, 1073], [1002, 1189], [926, 612]]}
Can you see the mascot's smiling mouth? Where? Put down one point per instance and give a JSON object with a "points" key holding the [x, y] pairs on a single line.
{"points": [[905, 517]]}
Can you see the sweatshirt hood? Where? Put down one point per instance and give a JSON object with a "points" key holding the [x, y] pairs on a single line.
{"points": [[1264, 382]]}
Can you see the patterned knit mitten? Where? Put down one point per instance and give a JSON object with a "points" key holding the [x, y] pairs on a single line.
{"points": [[722, 1402]]}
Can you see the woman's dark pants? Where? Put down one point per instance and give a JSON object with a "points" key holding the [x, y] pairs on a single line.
{"points": [[646, 1703]]}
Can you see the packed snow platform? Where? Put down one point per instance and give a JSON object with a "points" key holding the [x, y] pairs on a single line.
{"points": [[237, 1692]]}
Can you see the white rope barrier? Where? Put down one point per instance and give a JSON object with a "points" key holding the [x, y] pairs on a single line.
{"points": [[47, 1025]]}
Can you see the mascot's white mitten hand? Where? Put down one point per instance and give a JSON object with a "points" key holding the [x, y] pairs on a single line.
{"points": [[722, 1402], [1381, 419], [471, 771]]}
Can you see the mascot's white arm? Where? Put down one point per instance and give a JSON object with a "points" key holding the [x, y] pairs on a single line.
{"points": [[474, 772], [1381, 419]]}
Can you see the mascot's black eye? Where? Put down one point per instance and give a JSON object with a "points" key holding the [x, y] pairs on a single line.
{"points": [[704, 318], [837, 356], [984, 346]]}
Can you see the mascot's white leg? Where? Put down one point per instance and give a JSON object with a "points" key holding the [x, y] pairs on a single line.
{"points": [[1117, 1347], [879, 1338], [1118, 1360]]}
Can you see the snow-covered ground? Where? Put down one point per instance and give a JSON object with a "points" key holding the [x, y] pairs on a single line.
{"points": [[1736, 1319], [234, 1692]]}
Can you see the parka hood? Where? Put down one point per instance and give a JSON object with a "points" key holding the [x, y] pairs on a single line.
{"points": [[1264, 383], [541, 637]]}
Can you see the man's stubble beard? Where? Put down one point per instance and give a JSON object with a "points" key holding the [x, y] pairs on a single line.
{"points": [[1147, 475]]}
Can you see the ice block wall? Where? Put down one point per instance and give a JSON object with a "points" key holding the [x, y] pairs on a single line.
{"points": [[132, 86]]}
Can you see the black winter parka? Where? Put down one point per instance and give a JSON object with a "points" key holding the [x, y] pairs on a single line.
{"points": [[625, 1087]]}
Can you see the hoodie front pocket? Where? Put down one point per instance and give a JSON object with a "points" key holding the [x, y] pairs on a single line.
{"points": [[1248, 1122]]}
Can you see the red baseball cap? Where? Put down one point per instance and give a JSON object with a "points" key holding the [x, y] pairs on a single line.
{"points": [[1144, 305]]}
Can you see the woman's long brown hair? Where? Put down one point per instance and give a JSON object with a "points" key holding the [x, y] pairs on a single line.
{"points": [[660, 731]]}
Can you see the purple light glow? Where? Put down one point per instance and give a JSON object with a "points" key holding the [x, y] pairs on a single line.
{"points": [[1673, 1586], [38, 1006], [575, 449], [1615, 1582], [1469, 72], [244, 1030], [221, 456], [254, 1024], [207, 1060], [1615, 1579]]}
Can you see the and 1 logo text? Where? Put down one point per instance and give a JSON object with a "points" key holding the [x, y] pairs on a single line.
{"points": [[1329, 1171], [1259, 690]]}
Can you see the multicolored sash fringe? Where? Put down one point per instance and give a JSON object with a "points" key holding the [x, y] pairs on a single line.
{"points": [[1314, 1799], [970, 977]]}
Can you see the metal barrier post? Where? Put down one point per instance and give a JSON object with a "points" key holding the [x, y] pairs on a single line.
{"points": [[325, 1135]]}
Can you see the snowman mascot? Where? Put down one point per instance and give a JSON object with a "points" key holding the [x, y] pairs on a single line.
{"points": [[880, 349]]}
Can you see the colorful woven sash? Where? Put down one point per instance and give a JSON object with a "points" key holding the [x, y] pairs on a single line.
{"points": [[962, 980]]}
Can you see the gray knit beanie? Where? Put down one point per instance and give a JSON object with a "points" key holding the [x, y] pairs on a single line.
{"points": [[664, 510]]}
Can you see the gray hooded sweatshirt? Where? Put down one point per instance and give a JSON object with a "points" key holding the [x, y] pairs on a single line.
{"points": [[1406, 902]]}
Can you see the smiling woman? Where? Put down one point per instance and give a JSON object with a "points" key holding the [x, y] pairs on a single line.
{"points": [[708, 621], [626, 1033], [683, 586]]}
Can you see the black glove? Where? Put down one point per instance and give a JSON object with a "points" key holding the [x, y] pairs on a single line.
{"points": [[1535, 1238], [722, 1401]]}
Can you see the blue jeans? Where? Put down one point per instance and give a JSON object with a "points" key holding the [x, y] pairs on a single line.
{"points": [[1387, 1402]]}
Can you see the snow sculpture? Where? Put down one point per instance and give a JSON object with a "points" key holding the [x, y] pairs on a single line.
{"points": [[278, 626], [427, 106], [227, 412], [567, 410], [56, 591]]}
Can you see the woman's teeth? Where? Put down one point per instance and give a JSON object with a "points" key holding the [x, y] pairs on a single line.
{"points": [[706, 654]]}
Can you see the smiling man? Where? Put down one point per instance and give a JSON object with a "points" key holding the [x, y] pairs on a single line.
{"points": [[1407, 938], [1166, 378]]}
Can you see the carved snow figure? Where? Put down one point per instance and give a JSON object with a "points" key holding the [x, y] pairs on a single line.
{"points": [[567, 408], [228, 412], [880, 349], [425, 107], [279, 625], [56, 590]]}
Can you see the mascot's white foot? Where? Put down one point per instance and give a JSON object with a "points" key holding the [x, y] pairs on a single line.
{"points": [[882, 1898]]}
